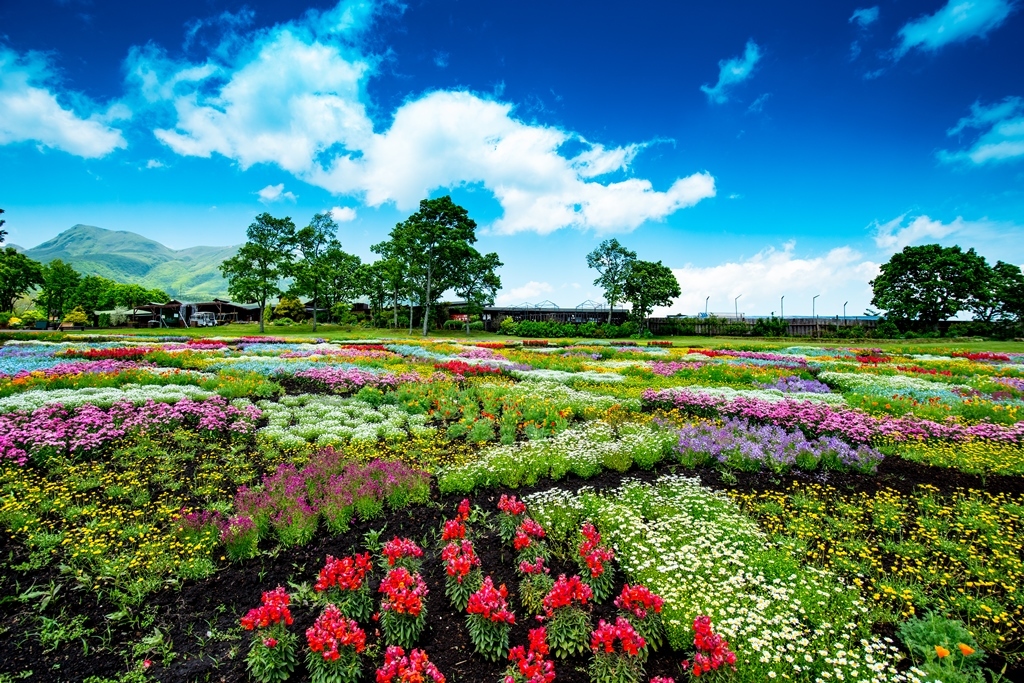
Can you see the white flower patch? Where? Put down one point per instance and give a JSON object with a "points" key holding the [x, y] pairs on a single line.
{"points": [[773, 395], [102, 397], [563, 376], [297, 421], [696, 549]]}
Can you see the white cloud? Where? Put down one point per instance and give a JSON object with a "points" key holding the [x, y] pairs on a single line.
{"points": [[733, 71], [864, 16], [840, 275], [155, 163], [32, 112], [956, 21], [1003, 136], [528, 293], [896, 234], [295, 97], [440, 59], [343, 214], [275, 193]]}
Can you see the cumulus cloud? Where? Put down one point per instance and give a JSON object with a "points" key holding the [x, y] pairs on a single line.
{"points": [[840, 275], [155, 163], [275, 193], [294, 95], [956, 21], [343, 214], [1002, 138], [864, 16], [32, 112], [900, 232], [733, 71], [528, 293]]}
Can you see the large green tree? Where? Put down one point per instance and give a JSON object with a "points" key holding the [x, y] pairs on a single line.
{"points": [[613, 262], [649, 284], [254, 273], [930, 283], [395, 271], [339, 272], [18, 276], [1007, 289], [433, 242], [313, 243], [477, 282], [60, 282]]}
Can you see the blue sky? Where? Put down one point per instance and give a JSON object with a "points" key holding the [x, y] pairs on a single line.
{"points": [[758, 149]]}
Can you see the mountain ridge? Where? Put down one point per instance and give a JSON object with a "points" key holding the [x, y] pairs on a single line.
{"points": [[123, 256]]}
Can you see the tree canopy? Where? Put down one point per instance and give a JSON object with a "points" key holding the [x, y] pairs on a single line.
{"points": [[255, 272], [18, 276], [649, 284], [313, 243], [931, 283], [60, 283], [613, 262], [477, 282]]}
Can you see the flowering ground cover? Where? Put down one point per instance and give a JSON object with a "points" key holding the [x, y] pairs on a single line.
{"points": [[798, 513]]}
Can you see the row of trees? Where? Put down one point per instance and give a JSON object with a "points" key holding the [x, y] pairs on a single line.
{"points": [[425, 256], [928, 284]]}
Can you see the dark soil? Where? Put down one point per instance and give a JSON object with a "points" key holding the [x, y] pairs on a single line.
{"points": [[201, 618]]}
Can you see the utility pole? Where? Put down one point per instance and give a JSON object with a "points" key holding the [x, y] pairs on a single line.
{"points": [[844, 312], [706, 305], [736, 306], [782, 307], [814, 312]]}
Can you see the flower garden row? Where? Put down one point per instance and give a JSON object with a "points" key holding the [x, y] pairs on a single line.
{"points": [[136, 463]]}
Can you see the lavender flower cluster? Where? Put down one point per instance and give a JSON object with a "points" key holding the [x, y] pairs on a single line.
{"points": [[741, 445], [794, 384]]}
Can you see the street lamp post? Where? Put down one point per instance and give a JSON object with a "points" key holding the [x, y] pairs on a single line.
{"points": [[736, 306], [844, 312], [706, 305], [814, 312], [782, 307]]}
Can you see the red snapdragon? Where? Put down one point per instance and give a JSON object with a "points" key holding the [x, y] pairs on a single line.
{"points": [[346, 573], [333, 631], [414, 668], [399, 548], [712, 650], [274, 610], [526, 533], [403, 592], [529, 666], [453, 530], [565, 592], [639, 601], [604, 638], [463, 510], [491, 603], [459, 559], [537, 567], [511, 505], [592, 552]]}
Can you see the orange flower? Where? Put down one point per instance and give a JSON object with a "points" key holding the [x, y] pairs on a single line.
{"points": [[941, 651], [965, 650]]}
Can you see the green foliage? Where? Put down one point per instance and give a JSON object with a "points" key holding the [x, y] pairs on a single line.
{"points": [[490, 640], [77, 317], [648, 285], [254, 273], [614, 263], [569, 632], [60, 281], [922, 635], [291, 308], [401, 629], [18, 275], [616, 668], [272, 664]]}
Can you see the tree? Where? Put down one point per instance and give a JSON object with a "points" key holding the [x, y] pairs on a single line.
{"points": [[432, 241], [614, 262], [60, 282], [313, 243], [930, 283], [477, 282], [395, 271], [371, 281], [3, 233], [18, 275], [339, 283], [254, 273], [290, 307], [1007, 287], [648, 285]]}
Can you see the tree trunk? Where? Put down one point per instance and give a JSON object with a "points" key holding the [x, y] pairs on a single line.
{"points": [[263, 307], [394, 307], [410, 316], [426, 304], [611, 305]]}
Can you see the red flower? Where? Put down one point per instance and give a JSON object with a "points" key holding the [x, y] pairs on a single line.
{"points": [[333, 631], [346, 573], [274, 610], [403, 592], [454, 529], [510, 505], [605, 635], [491, 603], [463, 513], [397, 548], [536, 568], [565, 592], [639, 600], [415, 668], [459, 559], [712, 650]]}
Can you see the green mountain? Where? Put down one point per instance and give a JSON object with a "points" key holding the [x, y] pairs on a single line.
{"points": [[187, 274]]}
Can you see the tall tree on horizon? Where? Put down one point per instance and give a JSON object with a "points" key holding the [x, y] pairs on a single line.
{"points": [[613, 262], [312, 243], [477, 282], [255, 272], [650, 284], [18, 276], [60, 282]]}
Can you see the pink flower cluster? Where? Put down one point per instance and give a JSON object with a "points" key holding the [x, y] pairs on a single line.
{"points": [[90, 428], [351, 379], [98, 367], [604, 638], [667, 369], [820, 419], [403, 592], [415, 668], [400, 548], [511, 505], [526, 532], [565, 592], [459, 559], [346, 573], [332, 631]]}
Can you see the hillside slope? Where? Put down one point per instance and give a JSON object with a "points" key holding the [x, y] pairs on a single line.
{"points": [[189, 274]]}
